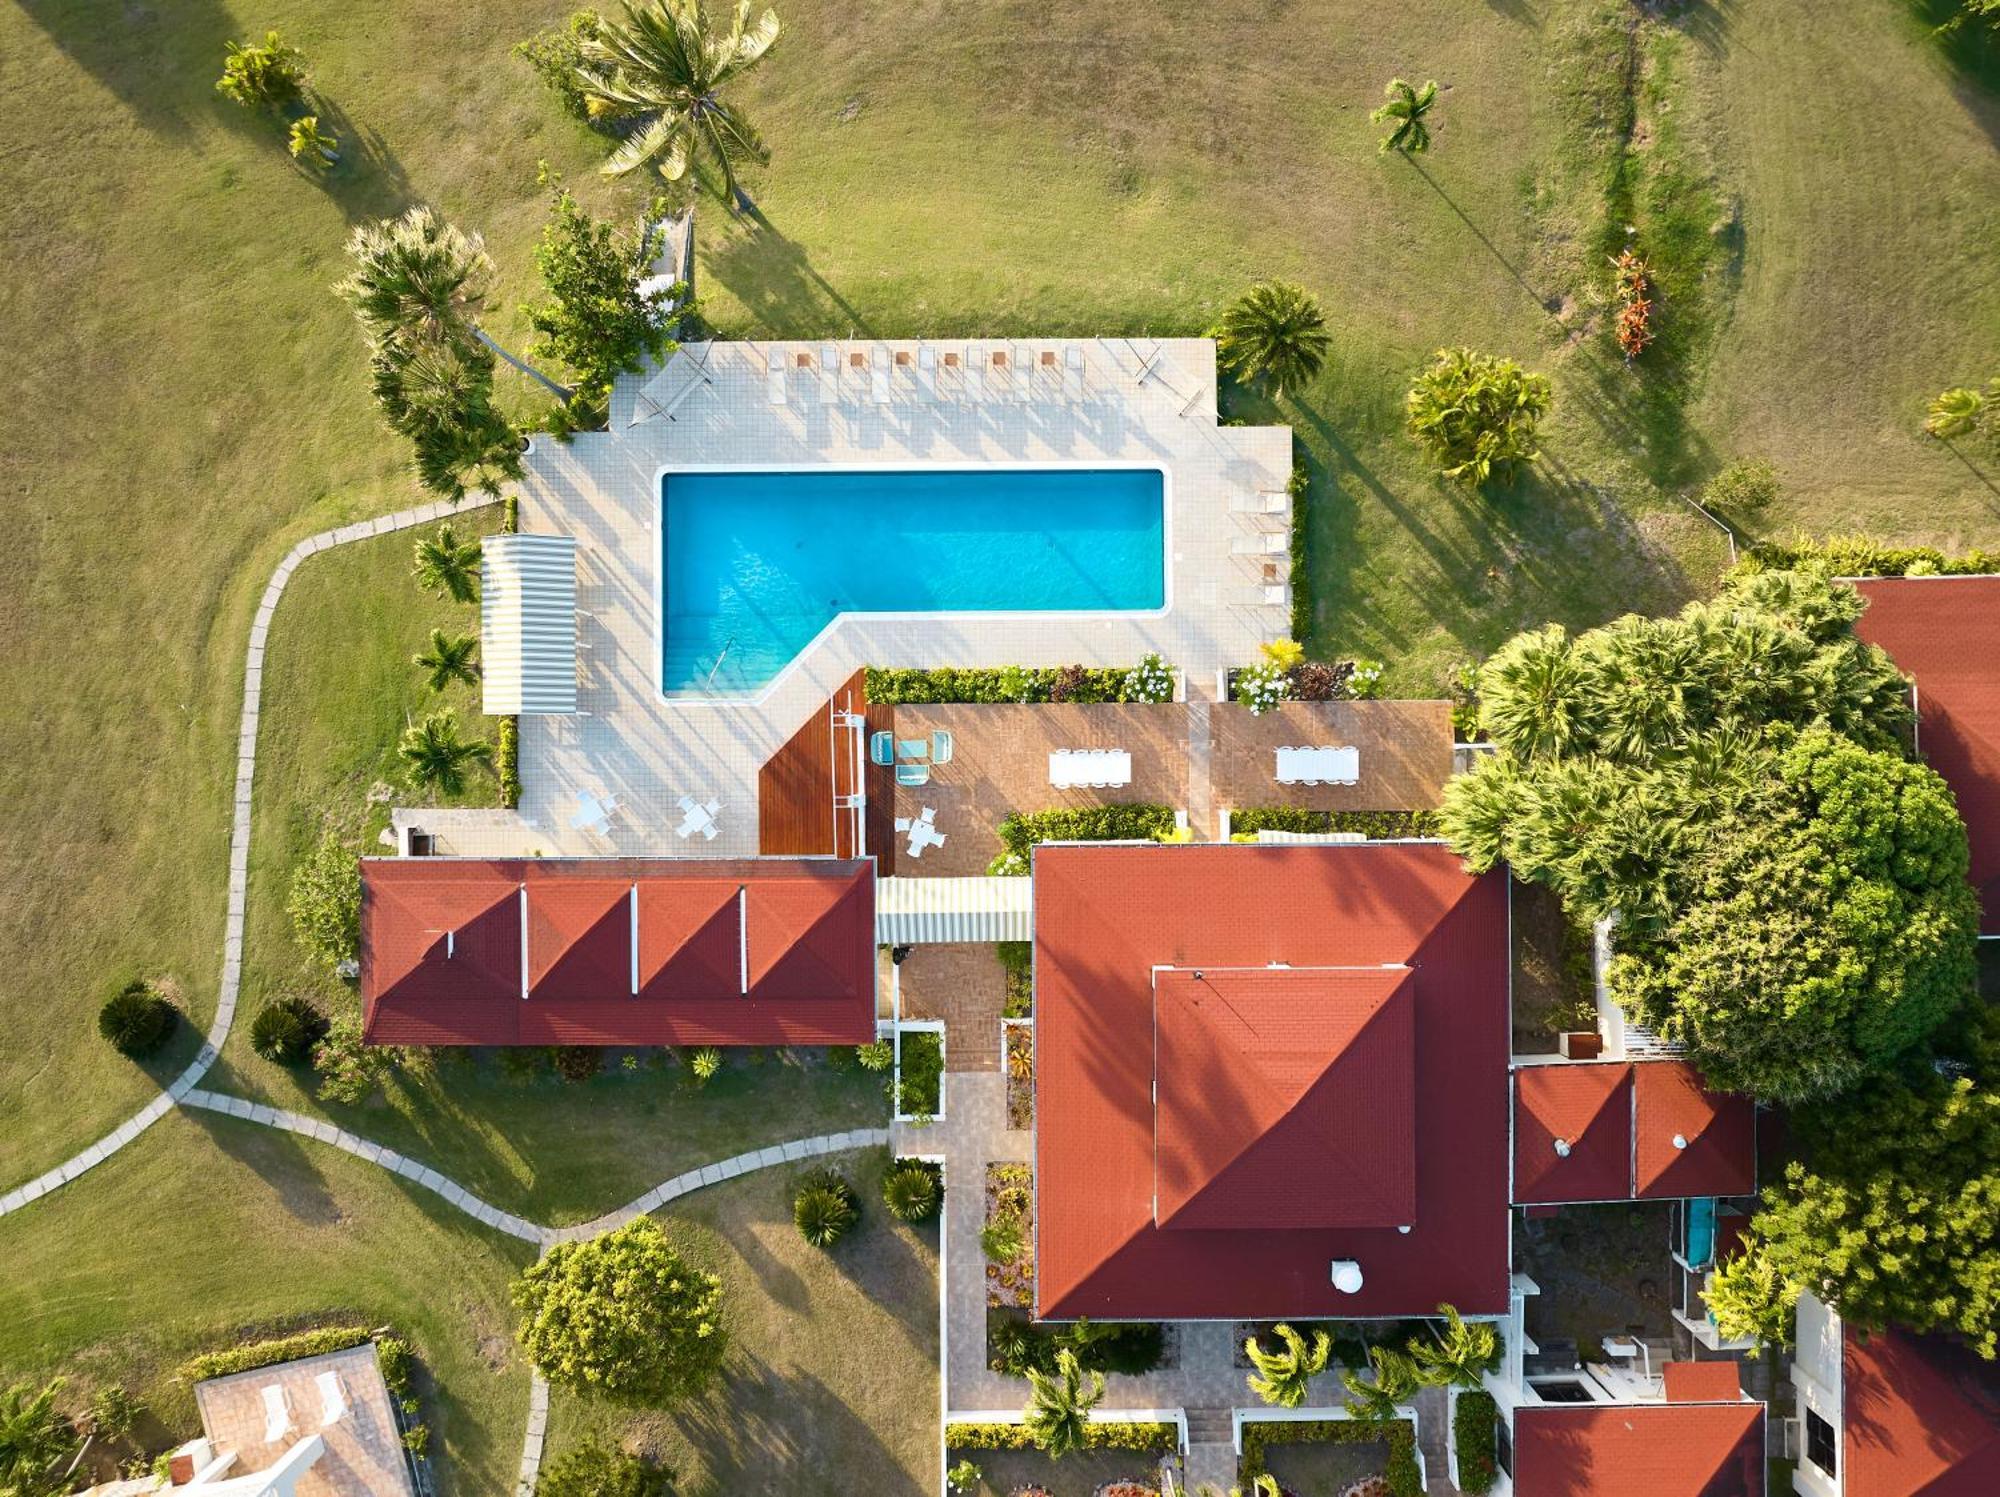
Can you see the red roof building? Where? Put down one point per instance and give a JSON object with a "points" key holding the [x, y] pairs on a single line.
{"points": [[1628, 1130], [1639, 1450], [617, 951], [1944, 632], [1922, 1418], [1255, 1062]]}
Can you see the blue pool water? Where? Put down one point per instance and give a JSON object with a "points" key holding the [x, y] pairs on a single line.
{"points": [[753, 565]]}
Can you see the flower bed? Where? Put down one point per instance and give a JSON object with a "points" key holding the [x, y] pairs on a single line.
{"points": [[1018, 1041], [1010, 1214], [1018, 958], [1404, 1475], [920, 1074], [1375, 825], [1014, 683]]}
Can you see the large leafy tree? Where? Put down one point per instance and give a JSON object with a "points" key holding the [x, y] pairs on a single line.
{"points": [[1405, 112], [325, 901], [1476, 414], [601, 1471], [1893, 1215], [664, 68], [436, 758], [1059, 1404], [624, 1315], [1283, 1376], [37, 1444], [1274, 333]]}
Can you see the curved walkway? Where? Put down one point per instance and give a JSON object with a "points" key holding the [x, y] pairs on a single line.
{"points": [[239, 846]]}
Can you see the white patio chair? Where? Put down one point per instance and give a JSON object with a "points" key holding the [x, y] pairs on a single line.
{"points": [[1000, 374], [1277, 595], [1263, 502], [829, 374], [974, 379], [927, 373], [1023, 360], [1265, 543], [277, 1413], [1073, 371], [332, 1397], [879, 376], [774, 374]]}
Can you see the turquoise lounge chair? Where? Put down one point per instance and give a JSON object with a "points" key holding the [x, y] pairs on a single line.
{"points": [[913, 774], [941, 747], [882, 748]]}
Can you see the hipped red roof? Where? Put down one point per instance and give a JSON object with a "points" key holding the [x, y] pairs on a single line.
{"points": [[444, 940], [1107, 917], [1945, 633], [1620, 1119], [1647, 1450], [1921, 1418]]}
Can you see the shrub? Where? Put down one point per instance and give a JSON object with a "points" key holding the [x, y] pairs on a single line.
{"points": [[1477, 415], [1375, 825], [507, 759], [624, 1315], [1136, 1436], [876, 1055], [349, 1071], [234, 1359], [703, 1064], [315, 149], [113, 1412], [1020, 832], [1014, 1345], [1298, 486], [1744, 487], [824, 1208], [556, 55], [920, 1077], [1262, 686], [600, 1471], [1861, 556], [286, 1030], [913, 1189], [1003, 1239], [1010, 683], [1317, 681], [398, 1360], [262, 77], [136, 1019], [579, 1062], [1473, 1423], [1634, 325], [325, 902], [1018, 960], [1151, 680]]}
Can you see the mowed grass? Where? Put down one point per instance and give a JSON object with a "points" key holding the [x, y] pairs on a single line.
{"points": [[831, 1384], [209, 1232]]}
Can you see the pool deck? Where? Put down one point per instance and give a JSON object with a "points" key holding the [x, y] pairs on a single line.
{"points": [[1141, 401]]}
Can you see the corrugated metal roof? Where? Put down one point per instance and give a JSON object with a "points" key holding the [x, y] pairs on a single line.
{"points": [[922, 911], [527, 624]]}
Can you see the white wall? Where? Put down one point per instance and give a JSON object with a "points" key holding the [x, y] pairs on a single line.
{"points": [[1816, 1376]]}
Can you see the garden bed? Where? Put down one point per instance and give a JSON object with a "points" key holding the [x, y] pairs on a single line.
{"points": [[1374, 825], [1018, 958], [1324, 1457], [1010, 1213], [919, 1074], [1007, 683], [1017, 1041], [1020, 832], [1083, 1473], [1132, 1348]]}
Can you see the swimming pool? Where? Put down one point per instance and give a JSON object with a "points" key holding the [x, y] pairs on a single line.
{"points": [[754, 564]]}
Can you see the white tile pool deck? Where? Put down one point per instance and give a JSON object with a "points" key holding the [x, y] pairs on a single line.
{"points": [[647, 752]]}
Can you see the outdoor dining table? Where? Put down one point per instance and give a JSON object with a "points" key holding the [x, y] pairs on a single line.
{"points": [[1322, 765], [1072, 769]]}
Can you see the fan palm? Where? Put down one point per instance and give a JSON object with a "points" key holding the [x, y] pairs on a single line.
{"points": [[665, 66], [448, 659], [1460, 1352], [1274, 332], [445, 564], [1404, 114], [437, 757], [36, 1443], [1281, 1377], [1059, 1404], [1395, 1380], [417, 279]]}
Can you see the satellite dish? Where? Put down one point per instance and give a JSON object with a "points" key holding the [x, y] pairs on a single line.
{"points": [[1347, 1276]]}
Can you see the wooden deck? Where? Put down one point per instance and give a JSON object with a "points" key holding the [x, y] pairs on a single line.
{"points": [[798, 787]]}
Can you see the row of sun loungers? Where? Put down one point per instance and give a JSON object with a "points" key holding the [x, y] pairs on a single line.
{"points": [[829, 374]]}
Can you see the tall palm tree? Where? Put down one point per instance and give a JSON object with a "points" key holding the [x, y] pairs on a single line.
{"points": [[665, 66], [36, 1443], [1059, 1405], [447, 565], [1395, 1380], [1404, 113], [437, 757], [1460, 1352], [1274, 332], [1282, 1377], [448, 659], [416, 280]]}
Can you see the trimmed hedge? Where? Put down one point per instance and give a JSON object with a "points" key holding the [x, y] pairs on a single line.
{"points": [[920, 1079], [269, 1353], [1405, 1476], [507, 762], [1300, 574], [1143, 1437], [1374, 825], [1007, 683], [1472, 1424], [1863, 556], [1020, 832]]}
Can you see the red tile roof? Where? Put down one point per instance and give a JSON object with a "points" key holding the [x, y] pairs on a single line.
{"points": [[1644, 1450], [1266, 1077], [1106, 917], [1921, 1417], [1587, 1104], [1719, 1133], [1702, 1382], [1945, 633], [443, 941]]}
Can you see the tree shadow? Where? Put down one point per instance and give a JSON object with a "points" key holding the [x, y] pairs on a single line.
{"points": [[368, 182], [773, 277], [279, 1159], [1518, 11], [1703, 21], [775, 1431], [160, 57], [1971, 52]]}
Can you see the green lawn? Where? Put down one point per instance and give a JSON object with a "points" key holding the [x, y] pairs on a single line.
{"points": [[208, 1232], [832, 1379]]}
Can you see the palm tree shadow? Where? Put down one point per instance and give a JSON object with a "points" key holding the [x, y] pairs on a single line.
{"points": [[368, 182], [774, 278]]}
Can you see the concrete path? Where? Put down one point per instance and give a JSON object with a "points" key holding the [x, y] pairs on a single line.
{"points": [[239, 845]]}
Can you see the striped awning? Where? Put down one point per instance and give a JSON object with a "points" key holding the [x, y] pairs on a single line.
{"points": [[527, 623], [920, 911]]}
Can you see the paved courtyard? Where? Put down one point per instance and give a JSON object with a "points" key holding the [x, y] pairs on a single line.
{"points": [[1140, 402]]}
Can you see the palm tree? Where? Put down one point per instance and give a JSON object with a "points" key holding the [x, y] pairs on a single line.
{"points": [[37, 1444], [1275, 331], [417, 279], [315, 149], [1282, 1376], [1405, 111], [1059, 1405], [1460, 1353], [449, 659], [1395, 1380], [437, 757], [1954, 412], [447, 565], [666, 66]]}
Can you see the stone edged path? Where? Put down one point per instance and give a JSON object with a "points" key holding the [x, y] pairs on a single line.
{"points": [[239, 844]]}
